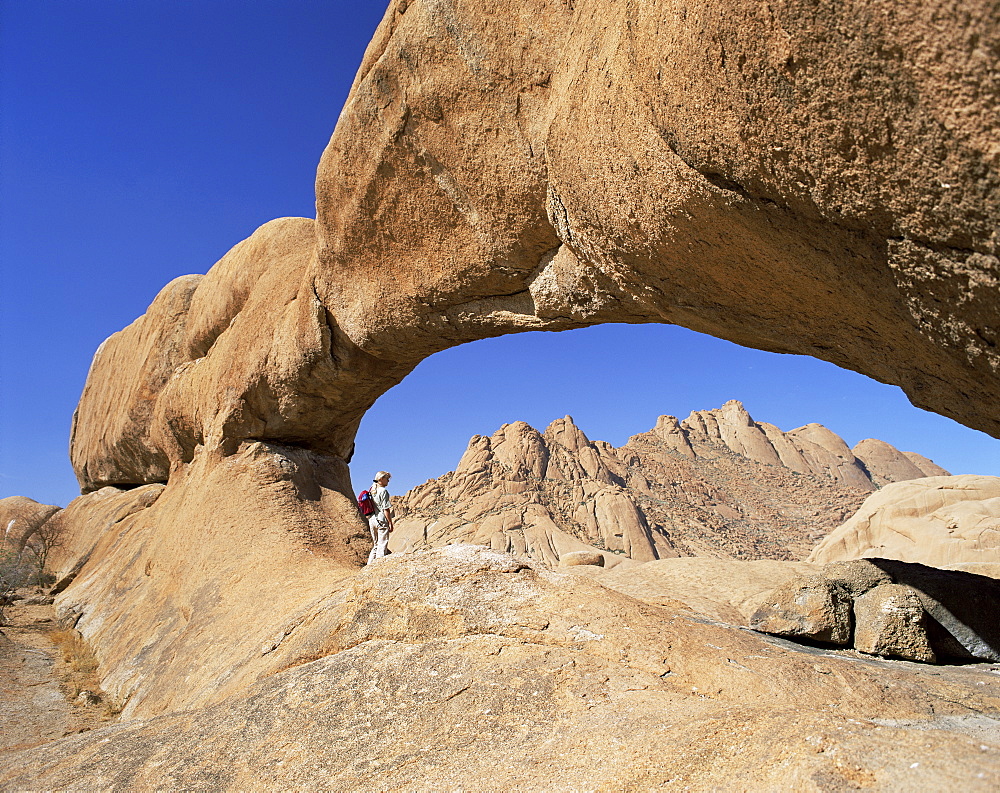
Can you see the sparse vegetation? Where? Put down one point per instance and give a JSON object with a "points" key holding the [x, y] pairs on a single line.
{"points": [[39, 546], [78, 670], [75, 650], [14, 574]]}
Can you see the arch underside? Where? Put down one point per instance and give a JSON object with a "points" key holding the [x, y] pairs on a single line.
{"points": [[797, 181], [730, 170]]}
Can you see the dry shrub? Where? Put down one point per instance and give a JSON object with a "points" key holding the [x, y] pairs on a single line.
{"points": [[75, 650]]}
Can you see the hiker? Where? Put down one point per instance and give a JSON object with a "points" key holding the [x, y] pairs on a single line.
{"points": [[380, 523]]}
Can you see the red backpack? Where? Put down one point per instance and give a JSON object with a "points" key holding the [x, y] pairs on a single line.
{"points": [[366, 503]]}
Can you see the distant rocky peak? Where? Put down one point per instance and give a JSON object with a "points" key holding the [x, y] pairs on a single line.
{"points": [[886, 464], [809, 449], [521, 448], [564, 432], [573, 456]]}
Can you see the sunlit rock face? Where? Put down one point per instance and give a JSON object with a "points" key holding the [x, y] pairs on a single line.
{"points": [[795, 180], [937, 521], [717, 484], [463, 667], [818, 180]]}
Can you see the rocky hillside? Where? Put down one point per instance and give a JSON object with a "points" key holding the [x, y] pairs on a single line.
{"points": [[715, 484]]}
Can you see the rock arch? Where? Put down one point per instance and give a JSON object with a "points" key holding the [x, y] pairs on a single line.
{"points": [[783, 179], [800, 177]]}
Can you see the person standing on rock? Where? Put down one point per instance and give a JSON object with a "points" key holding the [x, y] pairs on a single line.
{"points": [[380, 523]]}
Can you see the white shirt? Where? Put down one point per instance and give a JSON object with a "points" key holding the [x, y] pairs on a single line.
{"points": [[380, 497]]}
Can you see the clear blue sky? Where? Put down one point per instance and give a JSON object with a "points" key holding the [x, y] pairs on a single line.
{"points": [[141, 139]]}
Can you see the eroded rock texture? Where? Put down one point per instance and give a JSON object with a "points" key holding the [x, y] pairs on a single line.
{"points": [[803, 179], [717, 483], [937, 521], [800, 179], [806, 178], [465, 668]]}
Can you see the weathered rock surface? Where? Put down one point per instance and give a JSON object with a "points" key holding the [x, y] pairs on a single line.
{"points": [[803, 179], [245, 352], [839, 213], [716, 484], [88, 520], [890, 620], [174, 612], [924, 611], [20, 517], [938, 521], [809, 606], [963, 607], [461, 667], [725, 167], [727, 590], [857, 576]]}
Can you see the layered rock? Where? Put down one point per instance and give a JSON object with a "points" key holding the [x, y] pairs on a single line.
{"points": [[716, 484], [937, 521]]}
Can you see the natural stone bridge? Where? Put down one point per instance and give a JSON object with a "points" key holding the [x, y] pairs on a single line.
{"points": [[824, 185], [799, 177]]}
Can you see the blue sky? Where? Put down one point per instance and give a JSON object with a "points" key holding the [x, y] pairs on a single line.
{"points": [[140, 140]]}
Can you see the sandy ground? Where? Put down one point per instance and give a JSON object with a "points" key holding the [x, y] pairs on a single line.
{"points": [[39, 688]]}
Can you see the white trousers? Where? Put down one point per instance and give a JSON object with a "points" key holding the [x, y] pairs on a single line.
{"points": [[380, 537]]}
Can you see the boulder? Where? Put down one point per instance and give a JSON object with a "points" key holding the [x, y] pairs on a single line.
{"points": [[936, 521], [581, 558], [857, 576], [960, 606], [890, 620], [20, 517], [963, 608], [809, 607]]}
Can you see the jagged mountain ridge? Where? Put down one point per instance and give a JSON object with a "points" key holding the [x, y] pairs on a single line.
{"points": [[715, 484]]}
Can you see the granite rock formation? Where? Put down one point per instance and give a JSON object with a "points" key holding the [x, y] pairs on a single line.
{"points": [[21, 517], [482, 179], [888, 607], [938, 521], [462, 667], [798, 178], [717, 483]]}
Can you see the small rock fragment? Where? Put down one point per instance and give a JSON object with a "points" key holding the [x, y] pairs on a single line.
{"points": [[86, 697], [581, 557]]}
